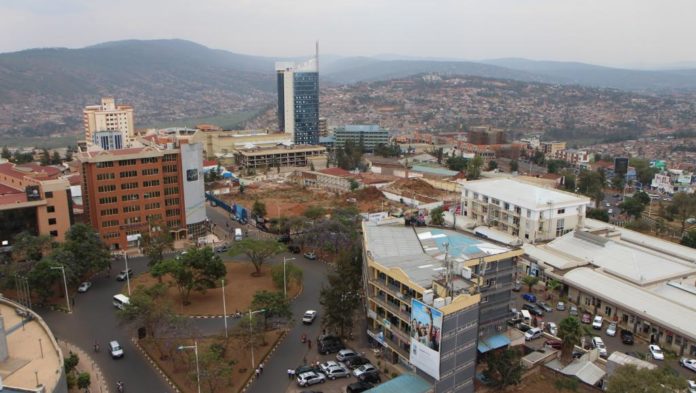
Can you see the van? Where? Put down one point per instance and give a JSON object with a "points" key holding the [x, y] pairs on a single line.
{"points": [[238, 234], [526, 316], [121, 301]]}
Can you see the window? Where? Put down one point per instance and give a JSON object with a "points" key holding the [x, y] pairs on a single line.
{"points": [[169, 168], [130, 209], [152, 205], [150, 171], [169, 157], [560, 211], [130, 197], [54, 233], [174, 223], [108, 212], [106, 176], [560, 224], [49, 194], [111, 235], [149, 160], [151, 183], [126, 162], [128, 174], [107, 200], [171, 202], [171, 190], [529, 213], [588, 301], [170, 180], [151, 194], [51, 221], [484, 299], [51, 209], [154, 217], [106, 164], [173, 212], [607, 311], [109, 223], [107, 188], [132, 220], [490, 282]]}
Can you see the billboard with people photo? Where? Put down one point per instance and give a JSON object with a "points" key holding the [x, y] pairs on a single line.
{"points": [[426, 332]]}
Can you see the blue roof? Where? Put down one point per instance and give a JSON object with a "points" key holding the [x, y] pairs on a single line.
{"points": [[435, 171], [407, 383], [492, 342]]}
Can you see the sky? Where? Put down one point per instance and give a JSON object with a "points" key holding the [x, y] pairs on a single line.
{"points": [[625, 33]]}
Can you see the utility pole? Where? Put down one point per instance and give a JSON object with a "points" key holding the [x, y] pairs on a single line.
{"points": [[65, 283]]}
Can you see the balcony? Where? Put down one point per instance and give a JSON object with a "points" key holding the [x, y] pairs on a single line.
{"points": [[394, 309], [392, 290]]}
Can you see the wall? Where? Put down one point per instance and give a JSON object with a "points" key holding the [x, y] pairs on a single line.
{"points": [[194, 189]]}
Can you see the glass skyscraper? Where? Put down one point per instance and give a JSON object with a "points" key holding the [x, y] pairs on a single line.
{"points": [[298, 101]]}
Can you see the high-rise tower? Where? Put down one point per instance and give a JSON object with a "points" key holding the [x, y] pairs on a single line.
{"points": [[298, 100]]}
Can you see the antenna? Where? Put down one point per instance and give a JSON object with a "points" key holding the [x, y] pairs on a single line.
{"points": [[448, 274], [316, 54]]}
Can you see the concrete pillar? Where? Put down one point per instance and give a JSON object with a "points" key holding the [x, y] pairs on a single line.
{"points": [[4, 352]]}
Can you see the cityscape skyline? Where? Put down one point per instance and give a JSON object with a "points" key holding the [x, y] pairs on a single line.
{"points": [[591, 32]]}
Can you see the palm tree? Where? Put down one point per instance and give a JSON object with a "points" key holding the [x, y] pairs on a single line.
{"points": [[570, 331], [530, 281], [552, 285]]}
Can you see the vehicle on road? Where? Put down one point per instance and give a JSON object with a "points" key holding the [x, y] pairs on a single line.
{"points": [[310, 378], [533, 309], [688, 363], [586, 318], [626, 337], [334, 370], [309, 317], [115, 349], [124, 274], [365, 368], [346, 354], [359, 387], [310, 255], [120, 301], [530, 297], [656, 352], [555, 344], [532, 334], [552, 328], [573, 311], [611, 330], [598, 343], [238, 234], [560, 306], [545, 306], [597, 322], [84, 287]]}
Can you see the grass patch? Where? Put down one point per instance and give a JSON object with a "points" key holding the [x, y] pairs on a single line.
{"points": [[225, 120]]}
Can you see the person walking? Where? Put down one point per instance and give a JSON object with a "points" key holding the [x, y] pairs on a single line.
{"points": [[258, 373], [261, 367]]}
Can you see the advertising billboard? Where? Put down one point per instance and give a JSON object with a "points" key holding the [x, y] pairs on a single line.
{"points": [[621, 165], [426, 332]]}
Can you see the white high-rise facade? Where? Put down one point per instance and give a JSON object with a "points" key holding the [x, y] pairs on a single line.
{"points": [[108, 117]]}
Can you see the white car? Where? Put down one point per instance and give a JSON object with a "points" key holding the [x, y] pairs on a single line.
{"points": [[532, 334], [310, 378], [553, 329], [345, 354], [335, 370], [115, 349], [688, 363], [611, 330], [597, 322], [309, 317], [364, 369], [692, 386], [560, 306], [84, 287], [656, 352], [598, 343]]}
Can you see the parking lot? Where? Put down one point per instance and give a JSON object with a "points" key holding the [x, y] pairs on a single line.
{"points": [[639, 348]]}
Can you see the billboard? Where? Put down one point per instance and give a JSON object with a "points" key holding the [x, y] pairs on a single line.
{"points": [[621, 165], [33, 193], [426, 332]]}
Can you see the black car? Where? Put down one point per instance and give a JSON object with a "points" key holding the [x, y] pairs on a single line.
{"points": [[306, 368], [356, 362], [359, 387], [370, 376], [326, 347], [626, 337], [534, 310], [294, 249]]}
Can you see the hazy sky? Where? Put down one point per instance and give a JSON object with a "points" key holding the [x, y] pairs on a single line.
{"points": [[609, 32]]}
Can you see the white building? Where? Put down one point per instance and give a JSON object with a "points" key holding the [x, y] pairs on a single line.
{"points": [[108, 117], [524, 210]]}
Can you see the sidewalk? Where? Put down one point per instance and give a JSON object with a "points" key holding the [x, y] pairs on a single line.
{"points": [[86, 364]]}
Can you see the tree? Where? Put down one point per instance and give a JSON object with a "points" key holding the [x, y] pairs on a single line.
{"points": [[259, 209], [71, 362], [215, 370], [642, 197], [55, 158], [456, 163], [156, 242], [514, 166], [570, 331], [292, 275], [644, 172], [43, 279], [45, 158], [275, 304], [87, 248], [689, 239], [552, 166], [314, 212], [340, 299], [591, 184], [503, 368], [598, 214], [258, 250], [530, 281], [553, 284], [473, 168], [354, 185], [629, 378], [617, 182], [632, 207], [437, 216], [83, 380], [68, 155], [27, 247], [684, 207], [492, 165], [198, 269], [241, 188], [6, 153], [569, 182]]}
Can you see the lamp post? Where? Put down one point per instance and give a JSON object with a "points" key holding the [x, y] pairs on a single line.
{"points": [[224, 306], [251, 335], [198, 370], [285, 282], [125, 260], [65, 283]]}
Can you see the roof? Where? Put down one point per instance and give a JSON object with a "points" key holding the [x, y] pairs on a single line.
{"points": [[405, 383], [257, 151], [550, 258], [30, 170], [493, 342], [340, 172], [497, 235], [647, 305], [360, 128], [622, 359], [524, 194], [585, 371], [433, 170]]}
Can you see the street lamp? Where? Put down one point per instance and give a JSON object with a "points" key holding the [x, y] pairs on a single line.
{"points": [[251, 335], [224, 306], [285, 283], [198, 371], [65, 283], [125, 260]]}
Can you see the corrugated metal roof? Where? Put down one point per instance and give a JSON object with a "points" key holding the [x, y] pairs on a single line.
{"points": [[407, 383]]}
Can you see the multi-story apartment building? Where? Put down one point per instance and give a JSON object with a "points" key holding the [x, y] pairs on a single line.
{"points": [[523, 210], [323, 127], [435, 297], [33, 198], [128, 191], [573, 156], [108, 117], [298, 100], [368, 135], [287, 156], [550, 148]]}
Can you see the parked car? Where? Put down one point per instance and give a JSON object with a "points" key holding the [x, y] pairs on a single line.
{"points": [[326, 347], [555, 344], [626, 337], [309, 317], [688, 363], [611, 330], [294, 249], [691, 385], [597, 322], [586, 318], [560, 306], [346, 354], [357, 361], [573, 311], [533, 309], [545, 306], [365, 368], [598, 343], [306, 368], [371, 377], [222, 248], [552, 328], [84, 287], [530, 297], [532, 334], [310, 378], [334, 370], [517, 287], [656, 352], [115, 350], [359, 387], [310, 255], [124, 274]]}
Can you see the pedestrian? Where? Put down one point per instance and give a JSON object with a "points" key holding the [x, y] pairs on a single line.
{"points": [[318, 364], [73, 301], [261, 367], [258, 373], [309, 344]]}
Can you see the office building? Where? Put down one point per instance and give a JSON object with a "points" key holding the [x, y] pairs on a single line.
{"points": [[108, 116], [550, 148], [108, 140], [368, 135], [323, 127], [281, 156], [523, 210], [435, 298], [35, 199], [484, 135], [298, 101], [126, 192]]}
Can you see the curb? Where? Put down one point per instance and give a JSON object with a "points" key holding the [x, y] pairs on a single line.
{"points": [[96, 370], [250, 380], [155, 366]]}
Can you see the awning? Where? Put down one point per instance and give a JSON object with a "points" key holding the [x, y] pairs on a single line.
{"points": [[493, 342]]}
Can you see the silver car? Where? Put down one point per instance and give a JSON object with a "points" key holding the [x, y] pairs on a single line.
{"points": [[334, 370]]}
